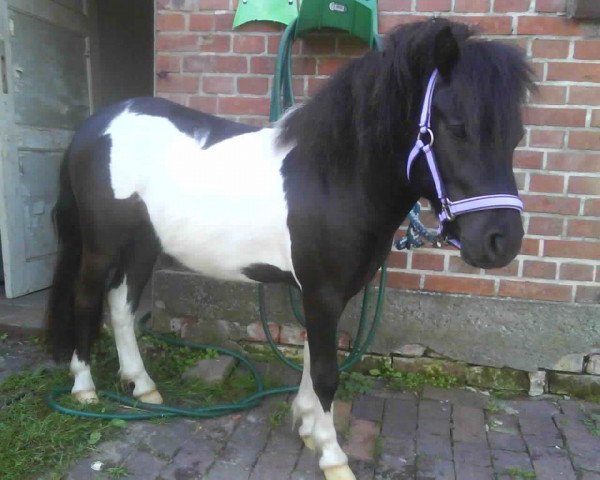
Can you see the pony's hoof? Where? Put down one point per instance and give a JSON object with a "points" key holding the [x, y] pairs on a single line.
{"points": [[309, 442], [341, 472], [151, 397], [86, 396]]}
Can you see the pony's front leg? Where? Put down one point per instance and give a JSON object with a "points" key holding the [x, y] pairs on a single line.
{"points": [[314, 403]]}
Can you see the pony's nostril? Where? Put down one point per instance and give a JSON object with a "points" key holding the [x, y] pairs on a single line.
{"points": [[497, 243]]}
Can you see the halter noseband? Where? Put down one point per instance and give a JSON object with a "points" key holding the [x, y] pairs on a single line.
{"points": [[450, 210]]}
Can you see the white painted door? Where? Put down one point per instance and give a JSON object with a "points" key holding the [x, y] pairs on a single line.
{"points": [[44, 96]]}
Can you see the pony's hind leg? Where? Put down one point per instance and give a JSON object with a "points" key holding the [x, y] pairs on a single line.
{"points": [[123, 300], [87, 307]]}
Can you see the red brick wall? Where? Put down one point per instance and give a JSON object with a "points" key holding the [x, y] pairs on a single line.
{"points": [[202, 63]]}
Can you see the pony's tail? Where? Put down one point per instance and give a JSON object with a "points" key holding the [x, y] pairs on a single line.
{"points": [[60, 319]]}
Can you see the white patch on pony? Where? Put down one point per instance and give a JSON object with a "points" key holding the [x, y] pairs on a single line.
{"points": [[130, 361], [216, 210], [83, 386], [317, 423]]}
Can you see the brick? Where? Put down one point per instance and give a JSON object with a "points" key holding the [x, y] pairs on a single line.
{"points": [[550, 48], [546, 138], [223, 21], [574, 161], [584, 95], [587, 50], [409, 281], [318, 45], [264, 27], [596, 118], [547, 226], [253, 85], [170, 22], [585, 294], [568, 117], [215, 63], [572, 249], [368, 407], [201, 22], [528, 159], [509, 270], [592, 207], [553, 26], [213, 5], [505, 6], [536, 269], [577, 272], [204, 104], [583, 228], [264, 65], [472, 6], [361, 444], [433, 5], [397, 260], [330, 65], [244, 106], [218, 84], [168, 63], [550, 6], [487, 24], [176, 42], [584, 185], [389, 22], [575, 72], [559, 205], [273, 42], [353, 46], [180, 5], [546, 183], [530, 246], [473, 286], [180, 98], [292, 335], [174, 82], [426, 261], [534, 291], [249, 43], [315, 84], [458, 265], [549, 95], [214, 43], [394, 5], [468, 426], [588, 140], [256, 333]]}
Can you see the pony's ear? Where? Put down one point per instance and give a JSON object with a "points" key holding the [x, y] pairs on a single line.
{"points": [[445, 51]]}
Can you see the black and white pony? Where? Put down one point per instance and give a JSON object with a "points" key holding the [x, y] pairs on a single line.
{"points": [[313, 201]]}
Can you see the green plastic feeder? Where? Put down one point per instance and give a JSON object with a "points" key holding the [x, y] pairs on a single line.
{"points": [[357, 17], [281, 11]]}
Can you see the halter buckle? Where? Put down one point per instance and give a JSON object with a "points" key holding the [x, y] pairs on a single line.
{"points": [[446, 208], [428, 131]]}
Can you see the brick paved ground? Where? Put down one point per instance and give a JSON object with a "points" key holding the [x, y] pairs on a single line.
{"points": [[438, 435]]}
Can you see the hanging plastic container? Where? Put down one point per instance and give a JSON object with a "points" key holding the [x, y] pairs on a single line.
{"points": [[281, 11], [357, 17]]}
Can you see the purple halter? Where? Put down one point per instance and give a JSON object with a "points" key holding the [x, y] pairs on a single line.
{"points": [[450, 210]]}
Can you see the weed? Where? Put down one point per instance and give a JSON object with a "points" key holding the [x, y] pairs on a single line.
{"points": [[593, 424], [516, 473], [117, 472], [280, 412], [378, 448], [493, 406], [4, 336], [42, 440], [411, 381], [352, 384]]}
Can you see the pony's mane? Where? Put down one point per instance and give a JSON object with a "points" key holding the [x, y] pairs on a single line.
{"points": [[369, 110]]}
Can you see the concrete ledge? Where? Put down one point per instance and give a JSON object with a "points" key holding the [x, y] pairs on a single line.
{"points": [[524, 335]]}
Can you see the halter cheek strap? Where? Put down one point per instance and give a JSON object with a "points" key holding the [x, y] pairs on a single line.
{"points": [[450, 210]]}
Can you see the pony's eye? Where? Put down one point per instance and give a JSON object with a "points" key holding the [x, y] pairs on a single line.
{"points": [[458, 130]]}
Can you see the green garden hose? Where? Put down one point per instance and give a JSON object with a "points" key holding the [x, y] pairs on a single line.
{"points": [[282, 86]]}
